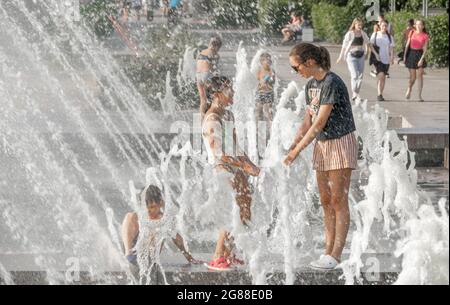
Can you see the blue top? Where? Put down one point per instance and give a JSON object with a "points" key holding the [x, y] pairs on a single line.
{"points": [[174, 3]]}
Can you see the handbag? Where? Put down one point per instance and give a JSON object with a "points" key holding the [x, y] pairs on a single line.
{"points": [[373, 59], [357, 53]]}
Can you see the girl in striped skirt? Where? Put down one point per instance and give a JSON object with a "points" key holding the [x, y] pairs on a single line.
{"points": [[329, 123]]}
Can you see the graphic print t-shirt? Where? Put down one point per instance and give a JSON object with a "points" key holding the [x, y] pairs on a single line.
{"points": [[331, 90]]}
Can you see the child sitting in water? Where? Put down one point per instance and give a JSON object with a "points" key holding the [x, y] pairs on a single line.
{"points": [[221, 92], [265, 95], [130, 227]]}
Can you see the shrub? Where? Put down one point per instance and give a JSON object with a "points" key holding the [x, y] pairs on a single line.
{"points": [[438, 46], [416, 5], [330, 22]]}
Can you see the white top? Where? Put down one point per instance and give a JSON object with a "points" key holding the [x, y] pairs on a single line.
{"points": [[347, 43], [385, 44]]}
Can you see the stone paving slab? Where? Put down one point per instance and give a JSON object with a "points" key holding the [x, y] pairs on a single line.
{"points": [[177, 272]]}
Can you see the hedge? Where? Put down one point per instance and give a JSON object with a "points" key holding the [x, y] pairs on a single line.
{"points": [[438, 46], [437, 27], [330, 22], [416, 5]]}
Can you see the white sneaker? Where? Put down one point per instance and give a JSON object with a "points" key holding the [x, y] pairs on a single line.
{"points": [[316, 261], [373, 73], [326, 262]]}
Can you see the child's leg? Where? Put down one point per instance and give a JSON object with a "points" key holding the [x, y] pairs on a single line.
{"points": [[286, 34], [323, 184], [203, 98], [268, 117], [259, 116], [243, 197], [130, 230], [221, 249], [340, 186]]}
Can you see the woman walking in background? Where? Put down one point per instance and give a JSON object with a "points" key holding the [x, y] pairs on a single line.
{"points": [[383, 52], [355, 50], [415, 54]]}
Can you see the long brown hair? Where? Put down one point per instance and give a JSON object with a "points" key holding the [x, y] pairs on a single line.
{"points": [[216, 85], [305, 51], [355, 21], [424, 25]]}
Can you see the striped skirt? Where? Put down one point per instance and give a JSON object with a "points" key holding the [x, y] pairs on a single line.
{"points": [[336, 154]]}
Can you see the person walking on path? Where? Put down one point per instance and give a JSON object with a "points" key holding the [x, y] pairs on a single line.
{"points": [[390, 31], [383, 51], [355, 50], [329, 122], [415, 54]]}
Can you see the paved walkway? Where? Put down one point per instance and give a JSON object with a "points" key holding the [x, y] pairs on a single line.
{"points": [[431, 114]]}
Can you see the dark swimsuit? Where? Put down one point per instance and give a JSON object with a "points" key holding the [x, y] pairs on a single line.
{"points": [[213, 61]]}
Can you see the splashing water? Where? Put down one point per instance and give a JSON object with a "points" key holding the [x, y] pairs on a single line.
{"points": [[5, 277], [393, 200], [55, 155], [426, 250], [188, 64]]}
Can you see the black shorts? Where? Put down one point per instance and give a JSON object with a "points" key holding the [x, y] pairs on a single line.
{"points": [[382, 68]]}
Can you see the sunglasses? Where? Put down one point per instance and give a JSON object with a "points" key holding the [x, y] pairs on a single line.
{"points": [[296, 68]]}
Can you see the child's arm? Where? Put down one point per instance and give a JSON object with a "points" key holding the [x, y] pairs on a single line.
{"points": [[259, 75], [243, 161], [179, 242]]}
